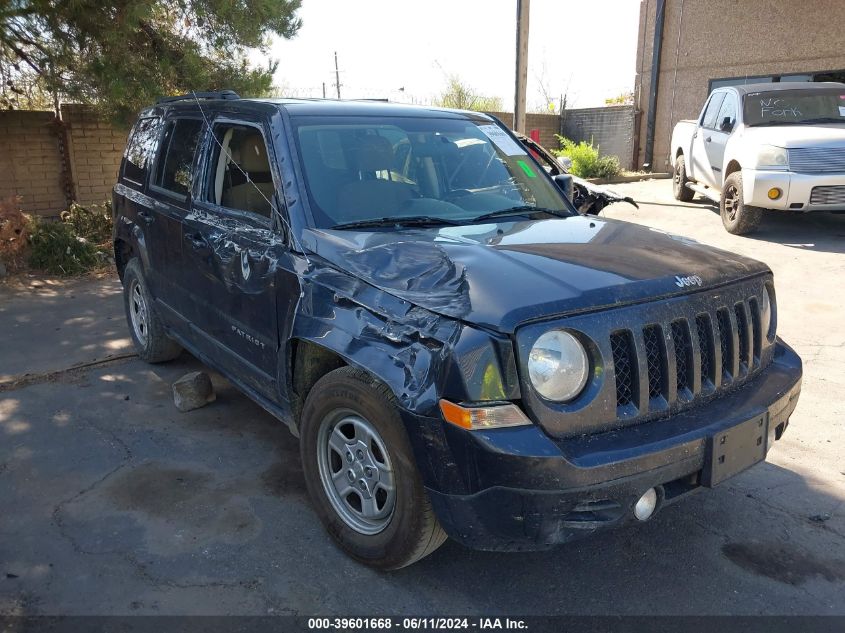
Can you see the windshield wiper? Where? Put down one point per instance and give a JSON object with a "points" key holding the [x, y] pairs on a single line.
{"points": [[524, 209], [413, 220]]}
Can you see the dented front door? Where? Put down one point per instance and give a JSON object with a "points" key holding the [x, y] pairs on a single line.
{"points": [[233, 263]]}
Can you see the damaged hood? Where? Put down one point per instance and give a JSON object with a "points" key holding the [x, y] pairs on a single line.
{"points": [[499, 275]]}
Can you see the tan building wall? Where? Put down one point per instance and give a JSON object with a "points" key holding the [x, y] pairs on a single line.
{"points": [[31, 161], [50, 164], [713, 39]]}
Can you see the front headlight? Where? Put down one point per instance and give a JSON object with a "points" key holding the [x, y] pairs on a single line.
{"points": [[767, 309], [558, 366], [772, 157]]}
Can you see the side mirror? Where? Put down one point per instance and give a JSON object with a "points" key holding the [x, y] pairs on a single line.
{"points": [[727, 124], [565, 162], [564, 181]]}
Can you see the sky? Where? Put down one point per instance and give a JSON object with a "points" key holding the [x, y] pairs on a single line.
{"points": [[585, 49]]}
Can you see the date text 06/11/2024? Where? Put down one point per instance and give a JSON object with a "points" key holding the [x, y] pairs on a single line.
{"points": [[414, 624]]}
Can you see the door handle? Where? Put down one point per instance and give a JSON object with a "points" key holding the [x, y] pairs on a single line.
{"points": [[146, 216]]}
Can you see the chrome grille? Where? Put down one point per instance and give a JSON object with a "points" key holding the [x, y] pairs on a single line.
{"points": [[817, 160], [830, 194]]}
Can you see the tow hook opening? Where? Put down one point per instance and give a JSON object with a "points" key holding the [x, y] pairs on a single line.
{"points": [[648, 504]]}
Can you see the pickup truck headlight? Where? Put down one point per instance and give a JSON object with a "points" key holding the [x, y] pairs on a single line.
{"points": [[772, 157], [558, 366]]}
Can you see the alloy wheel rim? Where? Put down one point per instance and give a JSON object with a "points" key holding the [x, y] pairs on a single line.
{"points": [[731, 202], [138, 313], [356, 471]]}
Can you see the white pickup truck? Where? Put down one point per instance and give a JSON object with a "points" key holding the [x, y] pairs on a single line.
{"points": [[773, 146]]}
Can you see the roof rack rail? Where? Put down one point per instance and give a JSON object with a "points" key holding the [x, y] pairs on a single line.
{"points": [[220, 94]]}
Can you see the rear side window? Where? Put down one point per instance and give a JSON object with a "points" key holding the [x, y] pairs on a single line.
{"points": [[174, 171], [141, 149], [713, 110]]}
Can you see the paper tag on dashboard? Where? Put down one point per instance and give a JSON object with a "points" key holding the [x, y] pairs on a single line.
{"points": [[502, 140]]}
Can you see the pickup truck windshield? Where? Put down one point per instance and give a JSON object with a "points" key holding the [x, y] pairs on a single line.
{"points": [[363, 169], [795, 107]]}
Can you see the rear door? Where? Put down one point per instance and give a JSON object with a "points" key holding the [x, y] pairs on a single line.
{"points": [[702, 171], [169, 188], [236, 258]]}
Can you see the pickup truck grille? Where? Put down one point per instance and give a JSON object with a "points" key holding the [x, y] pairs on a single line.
{"points": [[817, 160], [729, 338], [830, 194]]}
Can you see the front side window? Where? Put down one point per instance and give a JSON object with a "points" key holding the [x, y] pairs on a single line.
{"points": [[141, 149], [456, 170], [726, 118], [712, 110], [813, 106], [174, 171], [239, 172]]}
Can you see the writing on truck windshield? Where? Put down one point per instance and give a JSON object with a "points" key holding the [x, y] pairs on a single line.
{"points": [[361, 169], [795, 107]]}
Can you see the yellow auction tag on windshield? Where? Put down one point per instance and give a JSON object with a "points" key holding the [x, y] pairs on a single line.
{"points": [[528, 171]]}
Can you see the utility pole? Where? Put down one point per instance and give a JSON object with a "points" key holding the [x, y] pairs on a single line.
{"points": [[336, 75], [522, 11], [324, 90]]}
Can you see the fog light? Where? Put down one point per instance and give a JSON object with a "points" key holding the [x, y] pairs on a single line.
{"points": [[645, 505], [775, 193]]}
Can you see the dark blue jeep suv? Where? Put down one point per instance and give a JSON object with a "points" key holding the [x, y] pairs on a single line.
{"points": [[459, 351]]}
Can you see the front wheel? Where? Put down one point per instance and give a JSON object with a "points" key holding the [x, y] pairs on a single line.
{"points": [[738, 218], [360, 472]]}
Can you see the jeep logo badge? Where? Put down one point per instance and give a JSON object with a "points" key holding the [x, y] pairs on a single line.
{"points": [[692, 280]]}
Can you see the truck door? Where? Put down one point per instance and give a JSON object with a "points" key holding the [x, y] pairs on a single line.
{"points": [[725, 123], [238, 263], [701, 169]]}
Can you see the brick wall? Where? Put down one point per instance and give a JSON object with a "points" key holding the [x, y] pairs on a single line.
{"points": [[548, 124], [49, 164], [96, 148], [31, 161], [610, 128]]}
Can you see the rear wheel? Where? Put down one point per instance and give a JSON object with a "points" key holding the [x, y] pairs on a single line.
{"points": [[361, 474], [679, 181], [738, 218], [145, 326]]}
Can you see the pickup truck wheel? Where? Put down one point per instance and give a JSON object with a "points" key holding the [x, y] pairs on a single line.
{"points": [[145, 326], [679, 181], [360, 472], [737, 217]]}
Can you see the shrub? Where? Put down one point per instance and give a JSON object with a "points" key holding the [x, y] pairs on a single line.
{"points": [[93, 223], [76, 244], [14, 230], [586, 161]]}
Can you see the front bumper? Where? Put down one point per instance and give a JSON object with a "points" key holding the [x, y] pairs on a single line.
{"points": [[797, 189], [519, 489]]}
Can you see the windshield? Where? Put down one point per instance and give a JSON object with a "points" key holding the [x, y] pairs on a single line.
{"points": [[795, 107], [367, 169]]}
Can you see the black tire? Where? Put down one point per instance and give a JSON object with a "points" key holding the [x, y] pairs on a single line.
{"points": [[411, 531], [737, 217], [151, 342], [679, 181]]}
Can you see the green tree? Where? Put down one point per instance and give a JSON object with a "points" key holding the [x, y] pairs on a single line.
{"points": [[121, 55], [462, 97]]}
